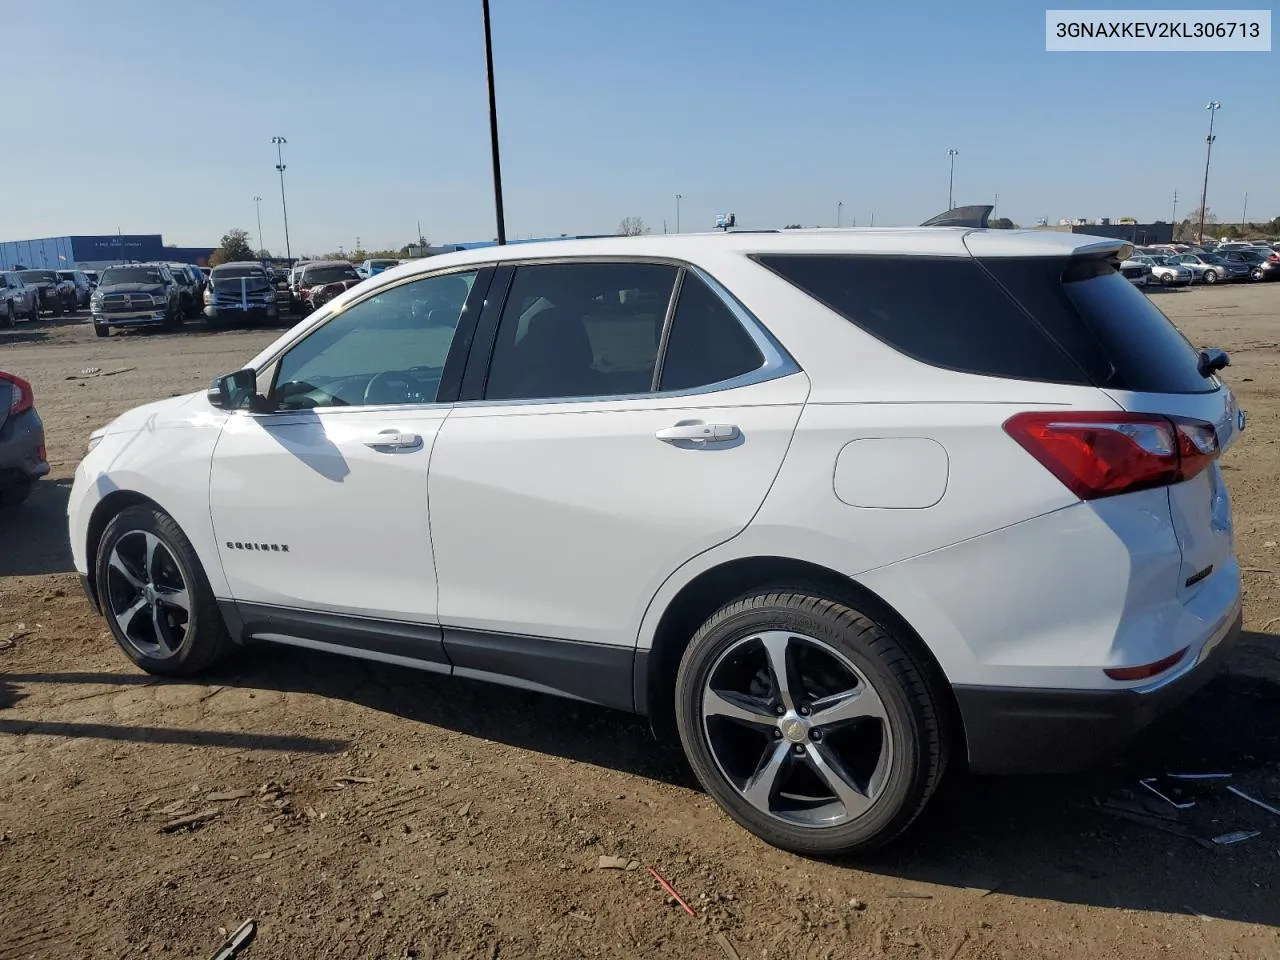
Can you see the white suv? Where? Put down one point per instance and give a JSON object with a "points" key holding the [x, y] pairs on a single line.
{"points": [[840, 507]]}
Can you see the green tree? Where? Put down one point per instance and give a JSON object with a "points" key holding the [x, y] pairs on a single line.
{"points": [[234, 246]]}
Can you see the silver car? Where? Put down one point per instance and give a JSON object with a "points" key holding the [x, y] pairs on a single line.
{"points": [[1209, 268], [1165, 272]]}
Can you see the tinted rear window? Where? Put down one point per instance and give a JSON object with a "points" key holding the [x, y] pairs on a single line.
{"points": [[1111, 328], [944, 311], [1058, 320]]}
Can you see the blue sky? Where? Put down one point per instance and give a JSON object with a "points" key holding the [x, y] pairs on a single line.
{"points": [[152, 117]]}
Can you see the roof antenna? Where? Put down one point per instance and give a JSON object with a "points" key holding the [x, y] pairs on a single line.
{"points": [[974, 216]]}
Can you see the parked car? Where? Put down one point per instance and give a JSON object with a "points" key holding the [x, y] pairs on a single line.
{"points": [[20, 299], [1210, 268], [322, 280], [82, 284], [190, 298], [1136, 272], [1260, 266], [642, 472], [1165, 272], [371, 268], [136, 295], [240, 291], [22, 455], [57, 296]]}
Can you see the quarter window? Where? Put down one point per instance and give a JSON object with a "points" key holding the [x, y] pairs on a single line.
{"points": [[580, 330], [388, 349], [706, 344]]}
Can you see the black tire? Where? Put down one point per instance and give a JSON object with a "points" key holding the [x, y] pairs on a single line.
{"points": [[10, 319], [911, 701], [34, 315], [57, 306], [1256, 274], [1211, 276], [204, 640], [102, 330]]}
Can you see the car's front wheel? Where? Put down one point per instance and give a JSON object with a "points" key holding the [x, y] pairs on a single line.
{"points": [[1211, 276], [10, 318], [811, 724], [155, 595]]}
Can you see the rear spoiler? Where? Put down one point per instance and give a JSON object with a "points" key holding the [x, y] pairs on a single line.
{"points": [[975, 217]]}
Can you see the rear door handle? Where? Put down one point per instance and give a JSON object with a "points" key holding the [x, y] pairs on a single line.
{"points": [[394, 439], [699, 432]]}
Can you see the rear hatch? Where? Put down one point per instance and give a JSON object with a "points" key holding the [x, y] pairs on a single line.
{"points": [[1141, 361]]}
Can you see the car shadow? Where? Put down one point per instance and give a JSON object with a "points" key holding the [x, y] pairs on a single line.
{"points": [[38, 526], [23, 334], [1034, 837], [1040, 838]]}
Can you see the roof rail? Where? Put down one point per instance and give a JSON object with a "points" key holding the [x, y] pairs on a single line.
{"points": [[973, 216]]}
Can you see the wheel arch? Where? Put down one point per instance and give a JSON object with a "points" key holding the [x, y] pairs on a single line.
{"points": [[104, 511], [655, 668]]}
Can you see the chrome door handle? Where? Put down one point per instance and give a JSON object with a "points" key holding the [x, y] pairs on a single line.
{"points": [[699, 432], [394, 439]]}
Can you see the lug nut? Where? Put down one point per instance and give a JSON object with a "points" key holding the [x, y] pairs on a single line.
{"points": [[804, 711], [815, 735], [779, 710], [800, 748], [777, 734]]}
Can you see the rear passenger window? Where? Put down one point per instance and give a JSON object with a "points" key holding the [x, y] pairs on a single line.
{"points": [[944, 311], [580, 330], [707, 344]]}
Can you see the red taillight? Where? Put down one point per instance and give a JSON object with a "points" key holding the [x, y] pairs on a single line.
{"points": [[1104, 454], [1147, 670], [23, 399]]}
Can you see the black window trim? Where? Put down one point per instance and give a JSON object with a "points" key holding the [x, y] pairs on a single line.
{"points": [[777, 362], [450, 380]]}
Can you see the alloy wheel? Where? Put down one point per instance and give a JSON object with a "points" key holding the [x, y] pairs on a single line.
{"points": [[797, 729], [146, 594]]}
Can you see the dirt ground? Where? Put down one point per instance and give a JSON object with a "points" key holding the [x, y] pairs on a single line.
{"points": [[473, 817]]}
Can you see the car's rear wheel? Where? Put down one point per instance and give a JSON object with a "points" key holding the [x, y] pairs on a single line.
{"points": [[811, 724], [34, 315], [1257, 273], [10, 318], [155, 595], [14, 494]]}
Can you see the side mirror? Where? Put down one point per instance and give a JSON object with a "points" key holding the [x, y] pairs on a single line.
{"points": [[236, 391], [1212, 360]]}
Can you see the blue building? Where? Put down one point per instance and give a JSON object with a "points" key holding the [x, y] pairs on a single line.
{"points": [[86, 252]]}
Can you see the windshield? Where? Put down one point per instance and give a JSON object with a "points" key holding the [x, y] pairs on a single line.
{"points": [[130, 275], [314, 275], [229, 273], [382, 264], [66, 275], [37, 276]]}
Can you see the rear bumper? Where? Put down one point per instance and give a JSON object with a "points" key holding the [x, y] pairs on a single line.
{"points": [[22, 458], [1023, 730]]}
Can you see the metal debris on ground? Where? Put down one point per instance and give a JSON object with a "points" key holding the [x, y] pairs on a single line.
{"points": [[1150, 784], [1155, 822], [1235, 836], [908, 895], [671, 890], [1254, 800], [235, 943], [1198, 776]]}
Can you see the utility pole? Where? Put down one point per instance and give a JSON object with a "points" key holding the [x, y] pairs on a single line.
{"points": [[1244, 214], [951, 181], [1174, 219], [995, 206], [1213, 106], [839, 212], [493, 129], [284, 207], [679, 197], [257, 203]]}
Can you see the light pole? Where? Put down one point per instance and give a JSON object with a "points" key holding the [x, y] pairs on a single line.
{"points": [[839, 213], [493, 129], [1213, 106], [1174, 221], [1244, 214], [951, 181], [284, 207], [257, 204], [679, 197]]}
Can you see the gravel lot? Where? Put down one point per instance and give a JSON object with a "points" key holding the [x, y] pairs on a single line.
{"points": [[474, 817]]}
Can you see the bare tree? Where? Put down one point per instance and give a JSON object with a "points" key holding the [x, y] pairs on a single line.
{"points": [[632, 227]]}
